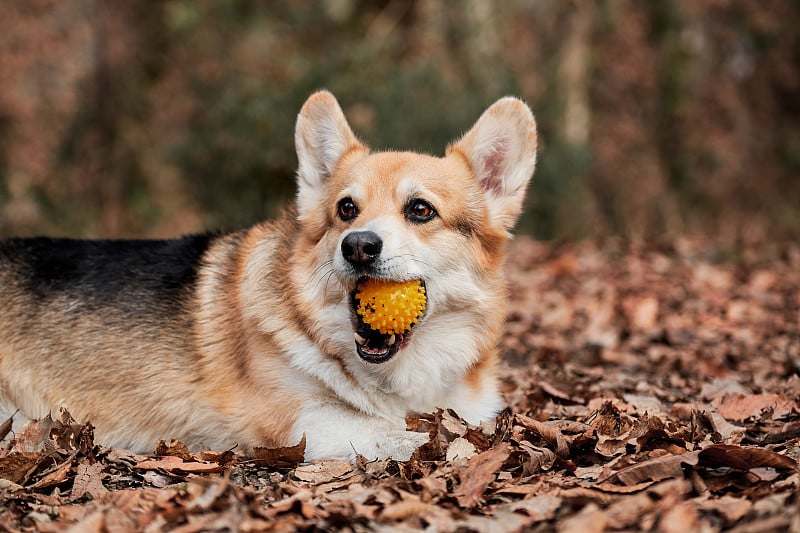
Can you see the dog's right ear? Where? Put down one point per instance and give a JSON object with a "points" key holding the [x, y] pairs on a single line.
{"points": [[322, 136], [501, 150]]}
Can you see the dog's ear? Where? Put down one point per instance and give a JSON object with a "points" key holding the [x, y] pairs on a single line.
{"points": [[501, 148], [322, 136]]}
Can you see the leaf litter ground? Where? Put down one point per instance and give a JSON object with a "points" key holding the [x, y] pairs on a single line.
{"points": [[649, 388]]}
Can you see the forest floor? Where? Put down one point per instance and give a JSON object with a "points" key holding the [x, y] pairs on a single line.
{"points": [[650, 388]]}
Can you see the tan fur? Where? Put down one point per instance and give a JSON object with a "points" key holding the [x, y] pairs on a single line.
{"points": [[263, 342]]}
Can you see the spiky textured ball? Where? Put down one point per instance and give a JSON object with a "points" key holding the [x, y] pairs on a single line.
{"points": [[390, 307]]}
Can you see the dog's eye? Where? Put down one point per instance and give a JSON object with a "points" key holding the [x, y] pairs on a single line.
{"points": [[347, 209], [420, 211]]}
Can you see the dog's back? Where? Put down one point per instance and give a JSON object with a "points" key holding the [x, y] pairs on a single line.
{"points": [[114, 314]]}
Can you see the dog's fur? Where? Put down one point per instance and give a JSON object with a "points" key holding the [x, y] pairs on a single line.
{"points": [[248, 338]]}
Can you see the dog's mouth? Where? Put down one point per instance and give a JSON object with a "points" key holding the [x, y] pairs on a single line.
{"points": [[372, 345]]}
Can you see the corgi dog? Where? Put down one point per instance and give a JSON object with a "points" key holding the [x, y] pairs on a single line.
{"points": [[252, 338]]}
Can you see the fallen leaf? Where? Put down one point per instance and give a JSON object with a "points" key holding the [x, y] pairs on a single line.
{"points": [[157, 480], [452, 426], [285, 457], [670, 466], [548, 432], [729, 508], [641, 312], [539, 459], [176, 464], [18, 466], [323, 472], [88, 480], [742, 458], [727, 431], [226, 458], [5, 428], [590, 519], [538, 508], [680, 518], [174, 448], [56, 477], [479, 472], [33, 435], [460, 448], [205, 492], [740, 407], [555, 392], [402, 510], [92, 523]]}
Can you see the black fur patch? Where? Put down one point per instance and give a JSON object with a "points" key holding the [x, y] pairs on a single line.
{"points": [[132, 276]]}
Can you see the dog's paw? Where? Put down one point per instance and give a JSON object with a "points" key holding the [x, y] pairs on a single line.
{"points": [[334, 433], [398, 445]]}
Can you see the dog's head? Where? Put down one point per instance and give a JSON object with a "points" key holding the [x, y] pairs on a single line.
{"points": [[403, 216]]}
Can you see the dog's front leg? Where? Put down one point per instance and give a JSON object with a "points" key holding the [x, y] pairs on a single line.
{"points": [[338, 432]]}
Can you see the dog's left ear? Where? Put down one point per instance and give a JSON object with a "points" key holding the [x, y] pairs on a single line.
{"points": [[501, 148], [322, 136]]}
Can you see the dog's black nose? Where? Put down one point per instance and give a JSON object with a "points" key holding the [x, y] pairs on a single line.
{"points": [[361, 248]]}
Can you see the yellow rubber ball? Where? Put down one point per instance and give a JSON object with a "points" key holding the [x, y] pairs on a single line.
{"points": [[390, 307]]}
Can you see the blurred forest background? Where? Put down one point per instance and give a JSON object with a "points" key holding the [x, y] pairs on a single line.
{"points": [[156, 118]]}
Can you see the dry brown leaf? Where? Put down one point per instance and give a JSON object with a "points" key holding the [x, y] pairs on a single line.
{"points": [[538, 508], [617, 489], [56, 477], [680, 518], [740, 407], [610, 447], [155, 479], [452, 426], [628, 512], [176, 464], [92, 523], [548, 432], [657, 469], [285, 505], [610, 423], [727, 431], [479, 472], [590, 519], [731, 509], [6, 426], [226, 458], [785, 433], [33, 435], [285, 457], [539, 459], [641, 312], [555, 392], [116, 520], [204, 492], [460, 448], [18, 466], [88, 479], [402, 510], [742, 458], [174, 448], [323, 472], [520, 490]]}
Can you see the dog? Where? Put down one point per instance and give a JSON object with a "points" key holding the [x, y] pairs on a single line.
{"points": [[251, 338]]}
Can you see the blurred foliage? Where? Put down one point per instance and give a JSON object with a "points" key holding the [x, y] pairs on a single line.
{"points": [[138, 118]]}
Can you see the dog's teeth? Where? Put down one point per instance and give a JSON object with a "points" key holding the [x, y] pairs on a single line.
{"points": [[360, 340], [391, 340]]}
